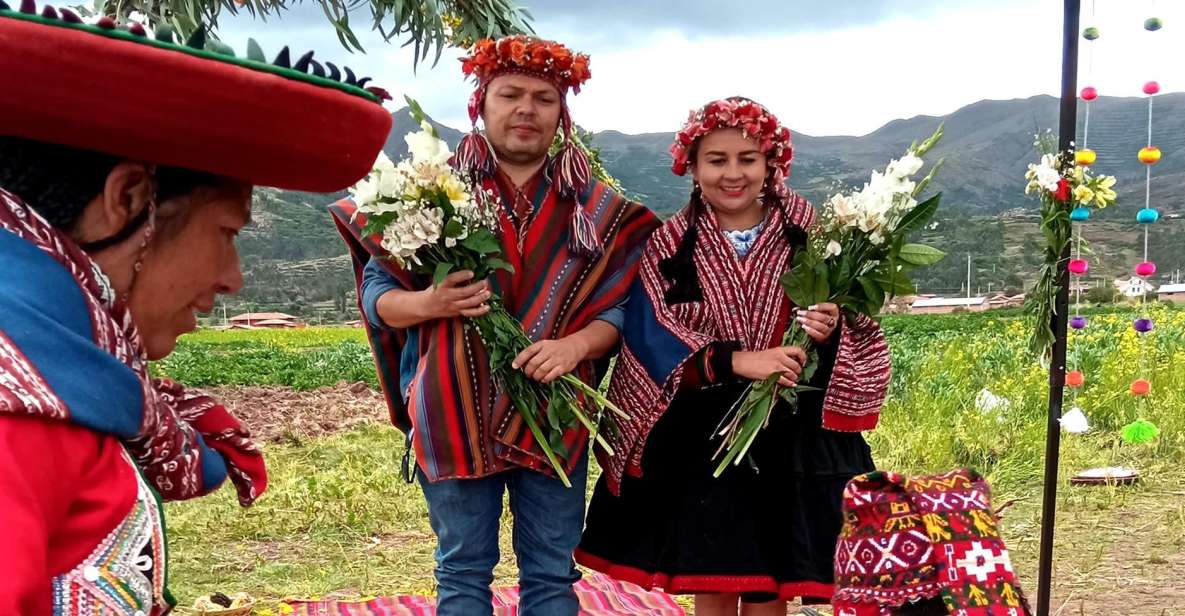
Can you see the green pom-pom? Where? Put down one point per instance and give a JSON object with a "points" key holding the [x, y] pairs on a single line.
{"points": [[1139, 432], [1152, 24], [254, 51], [1090, 33]]}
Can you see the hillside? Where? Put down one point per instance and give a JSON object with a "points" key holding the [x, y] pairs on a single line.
{"points": [[294, 259]]}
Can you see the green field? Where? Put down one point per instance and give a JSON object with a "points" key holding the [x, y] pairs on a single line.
{"points": [[337, 518]]}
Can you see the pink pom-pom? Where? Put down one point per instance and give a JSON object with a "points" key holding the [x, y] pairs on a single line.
{"points": [[1151, 87], [1145, 269], [1089, 93]]}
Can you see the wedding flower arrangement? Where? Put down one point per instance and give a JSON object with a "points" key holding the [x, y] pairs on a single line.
{"points": [[1060, 184], [433, 223], [856, 257]]}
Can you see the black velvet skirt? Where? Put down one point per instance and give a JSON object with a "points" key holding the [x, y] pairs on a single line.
{"points": [[766, 529]]}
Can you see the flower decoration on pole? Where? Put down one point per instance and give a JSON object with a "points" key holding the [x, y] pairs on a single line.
{"points": [[857, 257], [1068, 191]]}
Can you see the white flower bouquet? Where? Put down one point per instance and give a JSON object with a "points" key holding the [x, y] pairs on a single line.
{"points": [[856, 257], [433, 223]]}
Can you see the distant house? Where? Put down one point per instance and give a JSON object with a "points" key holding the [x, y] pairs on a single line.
{"points": [[1134, 287], [270, 320], [899, 304], [1002, 300], [1172, 293], [947, 305]]}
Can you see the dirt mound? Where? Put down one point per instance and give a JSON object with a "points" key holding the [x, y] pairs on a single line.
{"points": [[281, 414]]}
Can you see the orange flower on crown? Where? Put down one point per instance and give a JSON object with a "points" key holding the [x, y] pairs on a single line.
{"points": [[484, 47], [561, 57], [580, 71], [540, 58], [518, 51], [503, 46]]}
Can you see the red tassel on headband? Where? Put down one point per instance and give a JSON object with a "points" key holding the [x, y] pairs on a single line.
{"points": [[571, 174]]}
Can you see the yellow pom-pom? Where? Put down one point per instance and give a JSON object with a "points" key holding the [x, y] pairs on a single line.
{"points": [[1149, 155]]}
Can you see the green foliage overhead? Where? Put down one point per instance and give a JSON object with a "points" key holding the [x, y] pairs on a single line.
{"points": [[428, 26]]}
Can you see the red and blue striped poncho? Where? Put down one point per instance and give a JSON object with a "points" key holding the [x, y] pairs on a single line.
{"points": [[461, 425]]}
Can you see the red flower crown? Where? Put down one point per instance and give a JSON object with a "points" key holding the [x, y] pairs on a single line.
{"points": [[754, 120], [548, 59]]}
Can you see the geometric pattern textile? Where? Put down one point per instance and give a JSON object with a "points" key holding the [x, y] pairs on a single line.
{"points": [[910, 538]]}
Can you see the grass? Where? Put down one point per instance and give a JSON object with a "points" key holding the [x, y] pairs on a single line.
{"points": [[337, 517], [302, 359]]}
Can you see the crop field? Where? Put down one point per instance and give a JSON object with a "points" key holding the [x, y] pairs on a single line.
{"points": [[338, 521]]}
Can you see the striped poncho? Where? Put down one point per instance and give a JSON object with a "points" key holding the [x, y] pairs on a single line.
{"points": [[461, 425]]}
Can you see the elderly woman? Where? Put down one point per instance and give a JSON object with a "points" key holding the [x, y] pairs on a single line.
{"points": [[126, 170]]}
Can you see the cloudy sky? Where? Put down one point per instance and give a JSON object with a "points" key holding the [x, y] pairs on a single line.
{"points": [[826, 67]]}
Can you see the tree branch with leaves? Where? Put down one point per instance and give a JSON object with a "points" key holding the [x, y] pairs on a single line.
{"points": [[428, 26]]}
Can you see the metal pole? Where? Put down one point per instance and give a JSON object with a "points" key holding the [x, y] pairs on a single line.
{"points": [[1057, 368]]}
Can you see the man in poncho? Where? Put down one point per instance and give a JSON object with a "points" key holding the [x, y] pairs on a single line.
{"points": [[574, 244]]}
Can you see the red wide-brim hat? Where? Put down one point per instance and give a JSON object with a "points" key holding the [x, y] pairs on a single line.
{"points": [[192, 105]]}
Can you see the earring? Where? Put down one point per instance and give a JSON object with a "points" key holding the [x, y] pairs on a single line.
{"points": [[150, 227]]}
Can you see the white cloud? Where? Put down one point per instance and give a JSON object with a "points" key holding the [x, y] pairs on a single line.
{"points": [[839, 81]]}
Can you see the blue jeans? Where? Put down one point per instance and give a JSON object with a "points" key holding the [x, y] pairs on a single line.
{"points": [[548, 519]]}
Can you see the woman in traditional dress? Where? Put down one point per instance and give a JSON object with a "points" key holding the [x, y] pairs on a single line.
{"points": [[126, 170], [705, 318]]}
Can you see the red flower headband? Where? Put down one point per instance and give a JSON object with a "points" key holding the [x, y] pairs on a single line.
{"points": [[754, 120], [547, 59]]}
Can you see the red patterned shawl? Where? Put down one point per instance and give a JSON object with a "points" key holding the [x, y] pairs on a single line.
{"points": [[167, 446], [741, 301]]}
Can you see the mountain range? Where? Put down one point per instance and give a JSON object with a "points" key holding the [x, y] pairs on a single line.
{"points": [[295, 261]]}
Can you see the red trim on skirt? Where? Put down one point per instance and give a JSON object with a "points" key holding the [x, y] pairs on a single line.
{"points": [[695, 584]]}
